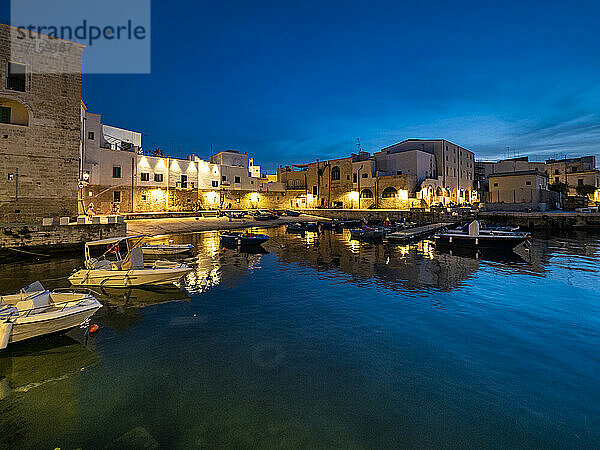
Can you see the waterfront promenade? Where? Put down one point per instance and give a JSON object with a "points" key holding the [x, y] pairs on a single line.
{"points": [[153, 227]]}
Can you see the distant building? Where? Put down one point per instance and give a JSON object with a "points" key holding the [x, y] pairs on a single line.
{"points": [[528, 187], [40, 95]]}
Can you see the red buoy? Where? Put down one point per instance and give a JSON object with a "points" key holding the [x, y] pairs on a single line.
{"points": [[93, 329]]}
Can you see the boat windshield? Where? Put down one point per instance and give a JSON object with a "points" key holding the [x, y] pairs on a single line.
{"points": [[110, 252]]}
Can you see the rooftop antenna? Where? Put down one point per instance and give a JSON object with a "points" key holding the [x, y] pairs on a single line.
{"points": [[358, 145], [211, 150]]}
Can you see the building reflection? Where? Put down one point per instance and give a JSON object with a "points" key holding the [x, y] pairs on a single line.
{"points": [[412, 266]]}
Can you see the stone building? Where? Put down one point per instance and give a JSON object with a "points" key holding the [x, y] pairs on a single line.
{"points": [[528, 188], [40, 95], [411, 173]]}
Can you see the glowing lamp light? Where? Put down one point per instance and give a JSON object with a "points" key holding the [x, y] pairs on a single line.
{"points": [[254, 196], [309, 197], [212, 197], [403, 194], [156, 194], [354, 196]]}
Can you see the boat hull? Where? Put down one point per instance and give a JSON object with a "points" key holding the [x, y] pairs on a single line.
{"points": [[121, 278], [31, 327], [481, 241]]}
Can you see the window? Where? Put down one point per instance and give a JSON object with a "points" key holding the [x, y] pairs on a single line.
{"points": [[335, 173], [4, 114], [116, 171], [580, 182], [15, 77], [365, 175], [556, 179], [117, 196], [528, 183], [495, 184], [354, 178], [347, 177], [314, 190], [215, 183], [91, 135], [389, 192], [237, 180], [224, 178], [11, 176], [144, 197], [145, 176], [366, 193], [158, 177], [556, 172]]}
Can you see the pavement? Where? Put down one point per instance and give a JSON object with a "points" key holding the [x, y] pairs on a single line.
{"points": [[154, 227]]}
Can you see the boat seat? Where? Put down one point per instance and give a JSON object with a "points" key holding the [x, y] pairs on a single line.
{"points": [[7, 311], [38, 303]]}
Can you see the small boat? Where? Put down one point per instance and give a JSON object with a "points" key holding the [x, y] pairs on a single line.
{"points": [[301, 227], [291, 213], [119, 262], [367, 233], [330, 225], [265, 215], [35, 312], [165, 249], [478, 238], [243, 238]]}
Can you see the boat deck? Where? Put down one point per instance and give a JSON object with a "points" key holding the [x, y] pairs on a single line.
{"points": [[417, 232]]}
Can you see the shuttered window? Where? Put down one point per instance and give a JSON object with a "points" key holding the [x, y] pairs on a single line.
{"points": [[4, 114]]}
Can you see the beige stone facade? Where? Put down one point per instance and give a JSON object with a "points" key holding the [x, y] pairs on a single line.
{"points": [[518, 187], [40, 95]]}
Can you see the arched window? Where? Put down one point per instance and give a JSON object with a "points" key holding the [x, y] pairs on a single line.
{"points": [[366, 193], [389, 192], [335, 173], [13, 112], [439, 192]]}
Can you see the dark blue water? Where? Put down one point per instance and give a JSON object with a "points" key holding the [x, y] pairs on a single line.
{"points": [[323, 343]]}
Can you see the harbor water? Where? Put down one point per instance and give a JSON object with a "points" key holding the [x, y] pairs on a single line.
{"points": [[321, 342]]}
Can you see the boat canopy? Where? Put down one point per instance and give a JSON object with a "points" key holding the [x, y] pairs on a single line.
{"points": [[114, 240]]}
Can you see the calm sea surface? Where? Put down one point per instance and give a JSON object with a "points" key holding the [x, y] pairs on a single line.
{"points": [[322, 342]]}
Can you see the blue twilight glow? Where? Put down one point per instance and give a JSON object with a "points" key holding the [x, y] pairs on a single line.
{"points": [[295, 81]]}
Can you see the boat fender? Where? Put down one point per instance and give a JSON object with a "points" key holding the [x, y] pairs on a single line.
{"points": [[93, 329], [5, 330]]}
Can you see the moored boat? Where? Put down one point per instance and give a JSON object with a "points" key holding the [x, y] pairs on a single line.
{"points": [[478, 238], [166, 249], [119, 262], [35, 312], [291, 213], [243, 238], [367, 233]]}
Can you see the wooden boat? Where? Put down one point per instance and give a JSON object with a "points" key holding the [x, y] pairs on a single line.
{"points": [[243, 238], [265, 215], [119, 262], [35, 312], [165, 249], [477, 238], [291, 213]]}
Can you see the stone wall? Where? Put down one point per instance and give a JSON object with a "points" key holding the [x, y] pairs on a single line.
{"points": [[39, 158], [57, 236]]}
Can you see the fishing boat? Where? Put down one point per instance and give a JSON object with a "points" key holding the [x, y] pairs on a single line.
{"points": [[331, 225], [157, 250], [119, 262], [35, 311], [291, 213], [243, 238], [481, 238]]}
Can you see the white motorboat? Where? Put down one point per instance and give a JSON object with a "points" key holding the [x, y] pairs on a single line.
{"points": [[165, 249], [36, 311], [119, 262]]}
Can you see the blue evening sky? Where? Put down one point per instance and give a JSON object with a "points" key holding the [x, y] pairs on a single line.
{"points": [[290, 82]]}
